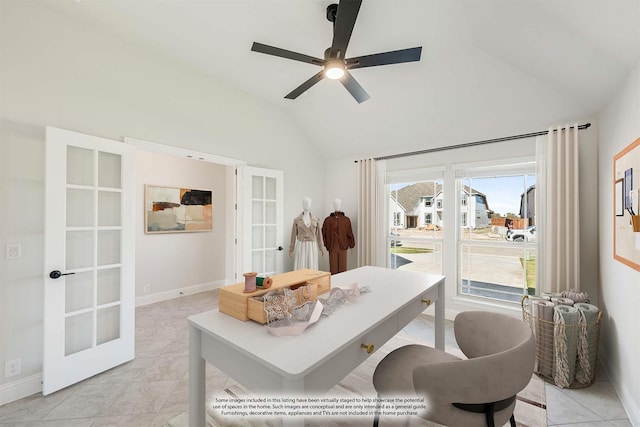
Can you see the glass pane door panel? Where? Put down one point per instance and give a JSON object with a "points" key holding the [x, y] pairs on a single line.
{"points": [[79, 166], [80, 208], [270, 188], [78, 333], [109, 213], [257, 191], [109, 174], [257, 216], [108, 320], [78, 291], [270, 236], [257, 262], [108, 247], [79, 251], [257, 240], [270, 261], [108, 285], [270, 212]]}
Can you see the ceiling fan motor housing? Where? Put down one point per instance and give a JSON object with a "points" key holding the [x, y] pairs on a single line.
{"points": [[332, 12]]}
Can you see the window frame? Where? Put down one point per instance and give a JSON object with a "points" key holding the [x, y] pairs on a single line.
{"points": [[516, 167]]}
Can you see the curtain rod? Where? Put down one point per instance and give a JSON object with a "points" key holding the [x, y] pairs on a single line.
{"points": [[472, 144]]}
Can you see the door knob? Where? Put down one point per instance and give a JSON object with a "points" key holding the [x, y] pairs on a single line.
{"points": [[280, 248], [56, 274]]}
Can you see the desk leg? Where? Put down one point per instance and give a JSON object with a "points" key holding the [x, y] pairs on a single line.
{"points": [[440, 318], [197, 380]]}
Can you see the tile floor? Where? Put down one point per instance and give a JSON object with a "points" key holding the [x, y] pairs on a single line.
{"points": [[152, 389]]}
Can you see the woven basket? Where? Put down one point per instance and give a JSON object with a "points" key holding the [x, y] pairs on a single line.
{"points": [[549, 349]]}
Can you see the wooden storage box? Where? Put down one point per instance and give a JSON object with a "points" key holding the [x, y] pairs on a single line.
{"points": [[235, 302]]}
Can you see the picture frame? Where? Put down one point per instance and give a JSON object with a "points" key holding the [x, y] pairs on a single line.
{"points": [[619, 197], [628, 186], [177, 210]]}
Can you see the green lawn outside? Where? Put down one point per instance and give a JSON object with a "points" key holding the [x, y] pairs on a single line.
{"points": [[531, 274], [406, 250]]}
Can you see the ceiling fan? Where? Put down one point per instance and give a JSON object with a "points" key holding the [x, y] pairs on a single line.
{"points": [[334, 65]]}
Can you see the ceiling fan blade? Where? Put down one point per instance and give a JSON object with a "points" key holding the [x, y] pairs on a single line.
{"points": [[354, 88], [305, 86], [283, 53], [343, 26], [386, 58]]}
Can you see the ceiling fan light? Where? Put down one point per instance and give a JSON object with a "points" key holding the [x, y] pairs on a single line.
{"points": [[334, 70]]}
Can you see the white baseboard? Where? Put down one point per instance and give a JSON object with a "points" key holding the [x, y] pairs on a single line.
{"points": [[178, 292], [20, 388], [627, 399]]}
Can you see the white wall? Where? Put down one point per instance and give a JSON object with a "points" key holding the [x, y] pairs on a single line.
{"points": [[180, 260], [619, 125], [59, 72], [342, 175]]}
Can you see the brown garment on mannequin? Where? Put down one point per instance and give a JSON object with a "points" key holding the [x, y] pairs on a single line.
{"points": [[338, 238]]}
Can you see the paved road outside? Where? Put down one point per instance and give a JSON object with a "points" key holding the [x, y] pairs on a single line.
{"points": [[494, 271]]}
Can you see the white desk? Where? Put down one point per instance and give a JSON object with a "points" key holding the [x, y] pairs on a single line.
{"points": [[314, 362]]}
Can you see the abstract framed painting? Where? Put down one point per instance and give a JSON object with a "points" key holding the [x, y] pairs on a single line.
{"points": [[177, 210]]}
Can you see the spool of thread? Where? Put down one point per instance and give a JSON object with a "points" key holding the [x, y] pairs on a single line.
{"points": [[264, 282], [249, 282]]}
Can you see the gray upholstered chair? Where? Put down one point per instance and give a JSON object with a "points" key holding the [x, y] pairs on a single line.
{"points": [[476, 391]]}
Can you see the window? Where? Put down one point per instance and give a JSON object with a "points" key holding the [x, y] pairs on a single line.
{"points": [[417, 246], [397, 219], [491, 263]]}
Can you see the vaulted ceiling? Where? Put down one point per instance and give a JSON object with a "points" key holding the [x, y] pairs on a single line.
{"points": [[488, 68]]}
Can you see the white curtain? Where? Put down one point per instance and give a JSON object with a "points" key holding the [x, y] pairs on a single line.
{"points": [[558, 210], [371, 239]]}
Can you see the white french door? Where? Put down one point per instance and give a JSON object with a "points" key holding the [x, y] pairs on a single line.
{"points": [[262, 233], [89, 257]]}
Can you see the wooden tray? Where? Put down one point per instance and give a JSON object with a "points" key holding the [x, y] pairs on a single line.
{"points": [[234, 302]]}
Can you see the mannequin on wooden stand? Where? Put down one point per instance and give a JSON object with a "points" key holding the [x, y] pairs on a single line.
{"points": [[338, 237], [306, 238]]}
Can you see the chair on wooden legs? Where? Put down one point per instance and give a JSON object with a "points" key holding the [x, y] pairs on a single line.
{"points": [[477, 391]]}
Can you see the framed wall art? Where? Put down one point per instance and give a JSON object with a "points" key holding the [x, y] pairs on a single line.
{"points": [[618, 196], [626, 242], [177, 210]]}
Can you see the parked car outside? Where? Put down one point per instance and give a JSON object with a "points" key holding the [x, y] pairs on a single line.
{"points": [[526, 235]]}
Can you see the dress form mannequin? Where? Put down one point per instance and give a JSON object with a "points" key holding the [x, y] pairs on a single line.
{"points": [[338, 237], [306, 238]]}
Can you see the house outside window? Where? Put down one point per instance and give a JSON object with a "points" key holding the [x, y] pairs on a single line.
{"points": [[418, 244], [439, 203], [464, 200]]}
